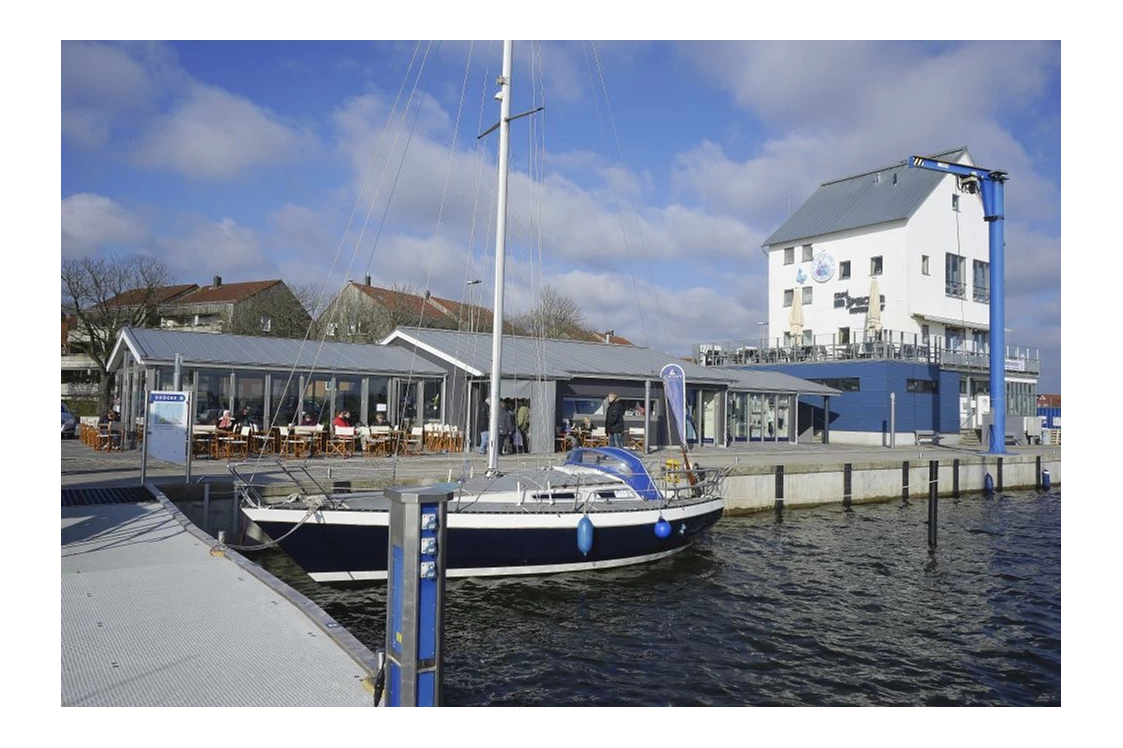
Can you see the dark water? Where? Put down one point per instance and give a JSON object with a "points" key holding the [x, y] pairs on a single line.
{"points": [[820, 607]]}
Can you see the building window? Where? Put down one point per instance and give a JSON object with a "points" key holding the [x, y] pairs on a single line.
{"points": [[789, 255], [924, 265], [955, 203], [788, 294], [266, 324], [921, 385], [955, 267], [924, 333], [875, 265], [980, 275], [332, 329], [808, 337], [844, 336], [844, 270], [807, 294], [196, 320], [807, 253], [846, 384]]}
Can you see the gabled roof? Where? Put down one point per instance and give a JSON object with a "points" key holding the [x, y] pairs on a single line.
{"points": [[416, 305], [159, 347], [891, 193], [226, 293]]}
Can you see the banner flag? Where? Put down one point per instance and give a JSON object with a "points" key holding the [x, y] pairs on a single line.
{"points": [[674, 389]]}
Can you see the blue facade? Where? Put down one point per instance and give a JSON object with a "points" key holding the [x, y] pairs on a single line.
{"points": [[867, 408], [1051, 416]]}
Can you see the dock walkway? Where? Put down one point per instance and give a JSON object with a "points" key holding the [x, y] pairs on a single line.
{"points": [[152, 615]]}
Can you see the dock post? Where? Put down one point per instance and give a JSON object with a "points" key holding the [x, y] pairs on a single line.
{"points": [[847, 484], [207, 507], [1037, 474], [955, 479], [779, 488], [1000, 475], [416, 566], [933, 488], [905, 480]]}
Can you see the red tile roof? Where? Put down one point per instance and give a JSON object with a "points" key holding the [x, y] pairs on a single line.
{"points": [[160, 295], [226, 293]]}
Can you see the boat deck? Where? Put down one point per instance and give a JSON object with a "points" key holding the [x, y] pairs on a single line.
{"points": [[151, 616]]}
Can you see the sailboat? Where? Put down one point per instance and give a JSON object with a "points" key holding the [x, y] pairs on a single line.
{"points": [[601, 508]]}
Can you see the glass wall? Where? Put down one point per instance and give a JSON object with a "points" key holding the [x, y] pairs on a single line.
{"points": [[349, 396], [249, 392], [212, 394], [377, 398], [283, 399], [315, 406]]}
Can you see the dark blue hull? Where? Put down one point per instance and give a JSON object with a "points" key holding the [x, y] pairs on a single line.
{"points": [[343, 552]]}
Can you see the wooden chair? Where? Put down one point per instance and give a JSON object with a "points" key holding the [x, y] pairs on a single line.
{"points": [[342, 441], [635, 438], [378, 441], [599, 438], [415, 441], [203, 442], [264, 442], [233, 444], [293, 444]]}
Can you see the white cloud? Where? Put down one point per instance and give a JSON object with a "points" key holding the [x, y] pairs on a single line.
{"points": [[222, 248], [214, 134], [93, 222]]}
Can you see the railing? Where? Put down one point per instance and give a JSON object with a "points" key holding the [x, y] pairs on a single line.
{"points": [[955, 289], [968, 355]]}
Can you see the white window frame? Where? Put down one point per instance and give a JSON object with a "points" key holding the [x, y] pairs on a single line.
{"points": [[266, 324], [789, 296]]}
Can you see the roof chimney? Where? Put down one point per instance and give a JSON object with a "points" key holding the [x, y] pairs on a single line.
{"points": [[217, 281], [608, 336], [366, 281]]}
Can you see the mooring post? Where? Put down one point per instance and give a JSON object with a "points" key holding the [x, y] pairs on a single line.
{"points": [[1037, 474], [905, 480], [847, 484], [1000, 475], [779, 488], [955, 479], [933, 486], [206, 507]]}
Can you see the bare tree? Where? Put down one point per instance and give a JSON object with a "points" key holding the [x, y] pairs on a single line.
{"points": [[556, 315], [105, 294]]}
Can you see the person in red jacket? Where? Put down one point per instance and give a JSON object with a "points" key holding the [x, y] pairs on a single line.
{"points": [[342, 418]]}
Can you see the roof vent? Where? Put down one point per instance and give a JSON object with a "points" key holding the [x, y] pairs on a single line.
{"points": [[366, 280], [217, 281], [877, 178]]}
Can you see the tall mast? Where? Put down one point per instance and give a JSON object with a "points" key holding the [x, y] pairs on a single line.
{"points": [[504, 97]]}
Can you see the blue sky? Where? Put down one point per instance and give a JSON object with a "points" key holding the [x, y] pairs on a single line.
{"points": [[654, 174]]}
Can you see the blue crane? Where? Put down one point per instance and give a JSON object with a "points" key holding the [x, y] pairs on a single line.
{"points": [[974, 180]]}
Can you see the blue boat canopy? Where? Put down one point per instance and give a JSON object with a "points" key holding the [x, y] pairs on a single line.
{"points": [[620, 463]]}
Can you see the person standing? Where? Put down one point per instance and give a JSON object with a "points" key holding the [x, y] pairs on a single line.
{"points": [[506, 426], [522, 423], [614, 421], [483, 423]]}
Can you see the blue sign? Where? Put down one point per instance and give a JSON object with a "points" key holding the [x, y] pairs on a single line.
{"points": [[167, 397], [674, 389]]}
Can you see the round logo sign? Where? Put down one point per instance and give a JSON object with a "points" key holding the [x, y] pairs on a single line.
{"points": [[822, 267]]}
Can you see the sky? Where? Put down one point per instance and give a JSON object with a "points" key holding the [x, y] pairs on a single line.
{"points": [[644, 189]]}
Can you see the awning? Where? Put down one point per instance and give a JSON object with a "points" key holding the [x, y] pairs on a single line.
{"points": [[949, 322]]}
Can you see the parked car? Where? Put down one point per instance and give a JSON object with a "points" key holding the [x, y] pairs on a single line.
{"points": [[69, 423]]}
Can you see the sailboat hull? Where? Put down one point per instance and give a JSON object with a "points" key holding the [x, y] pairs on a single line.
{"points": [[486, 544]]}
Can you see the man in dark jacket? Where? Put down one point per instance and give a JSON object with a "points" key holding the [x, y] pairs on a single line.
{"points": [[614, 421], [483, 423]]}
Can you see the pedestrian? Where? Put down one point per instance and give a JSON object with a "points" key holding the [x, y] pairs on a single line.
{"points": [[506, 426], [522, 423], [614, 421], [483, 423]]}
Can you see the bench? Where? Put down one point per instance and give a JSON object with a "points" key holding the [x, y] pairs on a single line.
{"points": [[927, 437]]}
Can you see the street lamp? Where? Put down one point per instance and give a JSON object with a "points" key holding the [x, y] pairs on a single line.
{"points": [[471, 306]]}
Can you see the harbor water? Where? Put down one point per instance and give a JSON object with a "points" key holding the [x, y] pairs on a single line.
{"points": [[819, 606]]}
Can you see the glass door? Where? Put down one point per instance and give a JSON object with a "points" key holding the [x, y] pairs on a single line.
{"points": [[783, 418], [756, 423]]}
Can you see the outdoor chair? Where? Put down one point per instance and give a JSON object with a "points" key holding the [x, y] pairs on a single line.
{"points": [[342, 442]]}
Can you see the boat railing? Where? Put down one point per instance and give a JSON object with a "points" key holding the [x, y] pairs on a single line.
{"points": [[258, 480], [707, 481]]}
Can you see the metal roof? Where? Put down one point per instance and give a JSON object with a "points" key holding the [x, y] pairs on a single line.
{"points": [[756, 380], [534, 358], [158, 347], [538, 358], [891, 193]]}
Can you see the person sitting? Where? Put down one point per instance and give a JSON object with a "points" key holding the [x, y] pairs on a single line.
{"points": [[244, 420], [308, 419], [225, 421], [342, 419]]}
